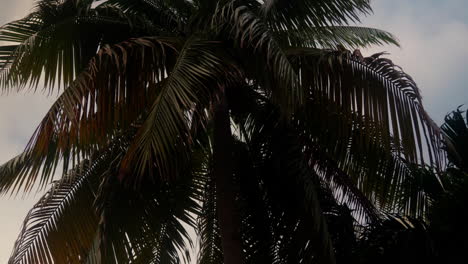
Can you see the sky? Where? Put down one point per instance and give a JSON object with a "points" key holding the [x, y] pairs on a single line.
{"points": [[433, 35]]}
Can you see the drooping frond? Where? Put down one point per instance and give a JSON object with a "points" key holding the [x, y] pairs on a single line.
{"points": [[367, 114], [385, 100], [165, 133], [344, 187], [455, 131], [256, 115], [111, 223], [97, 103], [149, 224], [61, 226], [350, 37], [55, 43], [417, 192], [360, 169], [366, 180]]}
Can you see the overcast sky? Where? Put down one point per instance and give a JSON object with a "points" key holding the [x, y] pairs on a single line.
{"points": [[433, 35]]}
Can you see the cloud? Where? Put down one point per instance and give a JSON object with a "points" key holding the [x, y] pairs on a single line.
{"points": [[12, 10]]}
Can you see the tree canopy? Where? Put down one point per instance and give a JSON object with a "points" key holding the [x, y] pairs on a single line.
{"points": [[259, 124]]}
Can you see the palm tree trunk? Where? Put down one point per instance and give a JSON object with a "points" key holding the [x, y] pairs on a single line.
{"points": [[228, 217]]}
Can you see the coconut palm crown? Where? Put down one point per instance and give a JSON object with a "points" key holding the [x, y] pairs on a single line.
{"points": [[249, 121]]}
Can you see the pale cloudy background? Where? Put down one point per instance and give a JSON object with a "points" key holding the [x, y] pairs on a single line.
{"points": [[434, 39]]}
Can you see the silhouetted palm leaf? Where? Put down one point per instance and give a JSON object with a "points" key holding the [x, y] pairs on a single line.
{"points": [[65, 209], [331, 37], [455, 130]]}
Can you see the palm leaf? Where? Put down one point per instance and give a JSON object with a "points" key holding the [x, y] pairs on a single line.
{"points": [[291, 192], [169, 14], [256, 42], [62, 226], [380, 94], [303, 14], [149, 224], [455, 131], [88, 112], [55, 42], [165, 133], [64, 210], [332, 36]]}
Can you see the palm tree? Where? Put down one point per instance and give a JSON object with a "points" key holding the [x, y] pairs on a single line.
{"points": [[447, 216], [150, 92]]}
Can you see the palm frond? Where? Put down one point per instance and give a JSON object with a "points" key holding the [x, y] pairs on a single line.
{"points": [[13, 172], [149, 224], [291, 191], [330, 37], [89, 111], [455, 131], [366, 180], [344, 187], [380, 94], [165, 133], [256, 115], [55, 43], [255, 41], [303, 14], [417, 192], [61, 226], [362, 171], [169, 14]]}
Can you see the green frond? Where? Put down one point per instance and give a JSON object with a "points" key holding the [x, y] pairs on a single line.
{"points": [[359, 170], [89, 111], [455, 131], [149, 224], [363, 171], [13, 173], [384, 98], [344, 187], [303, 14], [61, 226], [256, 116], [290, 193], [54, 44], [417, 192], [350, 37], [170, 14], [261, 53], [165, 133]]}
